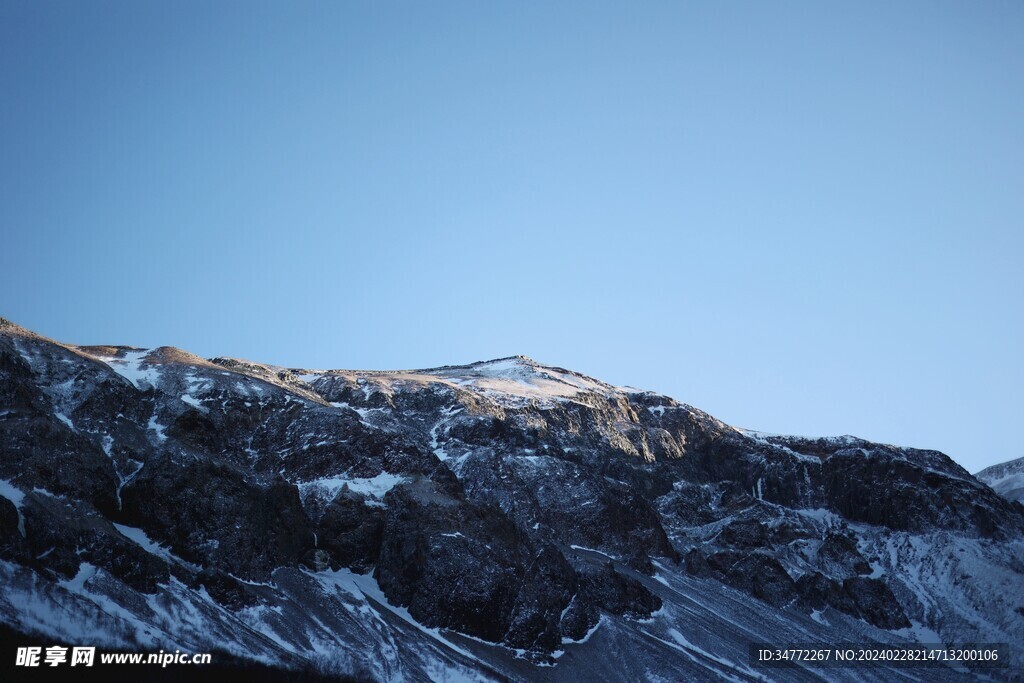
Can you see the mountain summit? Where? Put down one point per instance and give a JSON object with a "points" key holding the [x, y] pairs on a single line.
{"points": [[502, 520]]}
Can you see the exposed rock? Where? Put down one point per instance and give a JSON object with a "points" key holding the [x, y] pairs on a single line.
{"points": [[519, 504], [210, 514], [875, 603], [468, 567], [350, 531]]}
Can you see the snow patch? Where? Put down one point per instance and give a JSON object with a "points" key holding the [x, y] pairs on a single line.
{"points": [[139, 537], [329, 487], [194, 402], [157, 428], [129, 366], [591, 550]]}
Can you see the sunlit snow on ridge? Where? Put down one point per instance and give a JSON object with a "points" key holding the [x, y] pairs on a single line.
{"points": [[129, 366]]}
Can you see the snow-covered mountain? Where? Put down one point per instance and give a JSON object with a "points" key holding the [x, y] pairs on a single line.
{"points": [[1006, 479], [503, 520]]}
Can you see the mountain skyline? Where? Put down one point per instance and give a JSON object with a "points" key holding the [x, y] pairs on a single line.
{"points": [[803, 219], [971, 464], [498, 520]]}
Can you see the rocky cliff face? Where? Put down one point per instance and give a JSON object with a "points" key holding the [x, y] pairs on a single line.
{"points": [[503, 519]]}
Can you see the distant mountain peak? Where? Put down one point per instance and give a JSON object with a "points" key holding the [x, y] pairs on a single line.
{"points": [[1006, 479]]}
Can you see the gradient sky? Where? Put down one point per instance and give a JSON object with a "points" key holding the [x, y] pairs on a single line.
{"points": [[802, 217]]}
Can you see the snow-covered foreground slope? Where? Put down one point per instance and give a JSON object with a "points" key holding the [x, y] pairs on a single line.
{"points": [[341, 621], [502, 520]]}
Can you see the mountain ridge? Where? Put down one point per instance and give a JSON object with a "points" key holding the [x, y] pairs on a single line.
{"points": [[500, 519]]}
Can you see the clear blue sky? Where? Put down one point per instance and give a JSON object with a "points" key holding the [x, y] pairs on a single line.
{"points": [[801, 217]]}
